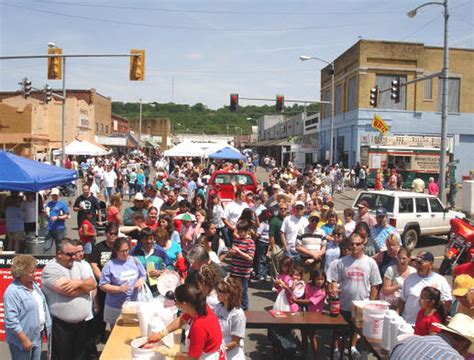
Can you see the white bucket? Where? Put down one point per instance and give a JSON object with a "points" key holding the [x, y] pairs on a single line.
{"points": [[144, 354], [372, 322]]}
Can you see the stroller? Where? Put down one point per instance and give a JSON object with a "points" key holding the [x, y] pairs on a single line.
{"points": [[102, 221]]}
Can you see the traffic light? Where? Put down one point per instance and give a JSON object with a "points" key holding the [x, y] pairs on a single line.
{"points": [[374, 95], [48, 94], [395, 90], [280, 103], [55, 64], [26, 88], [234, 102], [137, 65]]}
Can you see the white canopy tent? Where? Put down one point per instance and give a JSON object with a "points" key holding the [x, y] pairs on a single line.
{"points": [[84, 147], [199, 149]]}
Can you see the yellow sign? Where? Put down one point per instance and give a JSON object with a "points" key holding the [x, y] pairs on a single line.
{"points": [[380, 125]]}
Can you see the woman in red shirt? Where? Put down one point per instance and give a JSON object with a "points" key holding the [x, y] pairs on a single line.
{"points": [[205, 335], [431, 311], [113, 211]]}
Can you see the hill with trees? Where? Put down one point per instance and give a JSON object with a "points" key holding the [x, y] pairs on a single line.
{"points": [[198, 119]]}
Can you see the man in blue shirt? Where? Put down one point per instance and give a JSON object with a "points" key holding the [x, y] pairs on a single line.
{"points": [[382, 229], [58, 213]]}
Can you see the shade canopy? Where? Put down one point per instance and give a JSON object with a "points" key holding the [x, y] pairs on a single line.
{"points": [[194, 149], [21, 174], [227, 153], [85, 148]]}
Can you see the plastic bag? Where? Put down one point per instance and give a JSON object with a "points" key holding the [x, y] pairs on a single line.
{"points": [[144, 294], [281, 302]]}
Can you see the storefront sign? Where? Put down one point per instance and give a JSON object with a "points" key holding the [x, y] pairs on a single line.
{"points": [[407, 141], [426, 163], [380, 125], [6, 279]]}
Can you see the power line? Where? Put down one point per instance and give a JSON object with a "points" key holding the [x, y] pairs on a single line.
{"points": [[171, 27], [220, 12]]}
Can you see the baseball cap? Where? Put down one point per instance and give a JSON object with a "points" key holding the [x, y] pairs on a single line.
{"points": [[314, 214], [363, 204], [462, 284], [299, 203], [55, 191], [424, 256], [318, 181], [276, 186], [138, 197], [381, 212]]}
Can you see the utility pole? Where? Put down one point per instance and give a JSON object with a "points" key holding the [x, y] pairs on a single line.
{"points": [[140, 122]]}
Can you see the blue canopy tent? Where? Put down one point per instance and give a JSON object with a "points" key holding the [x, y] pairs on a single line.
{"points": [[21, 174], [227, 153]]}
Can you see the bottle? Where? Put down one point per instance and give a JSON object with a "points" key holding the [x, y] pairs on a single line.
{"points": [[334, 303]]}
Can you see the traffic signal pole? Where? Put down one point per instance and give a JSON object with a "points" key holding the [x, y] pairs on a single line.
{"points": [[140, 54]]}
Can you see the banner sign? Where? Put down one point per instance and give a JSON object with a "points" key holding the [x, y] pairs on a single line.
{"points": [[6, 279], [380, 125]]}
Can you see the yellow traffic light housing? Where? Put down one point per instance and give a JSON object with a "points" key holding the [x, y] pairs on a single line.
{"points": [[55, 64], [137, 65]]}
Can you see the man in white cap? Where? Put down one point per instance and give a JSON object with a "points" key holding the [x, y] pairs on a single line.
{"points": [[454, 342], [291, 227], [57, 212], [138, 205]]}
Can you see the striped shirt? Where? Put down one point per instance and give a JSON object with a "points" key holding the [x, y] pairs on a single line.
{"points": [[241, 267], [425, 348]]}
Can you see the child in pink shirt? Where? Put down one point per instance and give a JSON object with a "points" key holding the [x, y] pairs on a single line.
{"points": [[314, 298]]}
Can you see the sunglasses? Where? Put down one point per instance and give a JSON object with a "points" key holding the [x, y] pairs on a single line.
{"points": [[356, 244], [123, 251], [113, 233], [282, 209], [69, 254], [314, 220]]}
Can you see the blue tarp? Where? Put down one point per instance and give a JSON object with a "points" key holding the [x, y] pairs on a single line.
{"points": [[227, 153], [22, 174]]}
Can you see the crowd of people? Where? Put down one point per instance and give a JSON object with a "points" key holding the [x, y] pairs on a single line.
{"points": [[288, 233]]}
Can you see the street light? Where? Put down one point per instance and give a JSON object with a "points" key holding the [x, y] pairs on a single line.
{"points": [[444, 102], [331, 142]]}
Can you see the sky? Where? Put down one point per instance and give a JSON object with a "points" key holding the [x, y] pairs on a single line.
{"points": [[202, 51]]}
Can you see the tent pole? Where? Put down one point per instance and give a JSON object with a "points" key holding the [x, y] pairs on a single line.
{"points": [[36, 215]]}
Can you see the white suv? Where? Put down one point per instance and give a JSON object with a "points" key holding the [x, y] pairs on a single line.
{"points": [[413, 214]]}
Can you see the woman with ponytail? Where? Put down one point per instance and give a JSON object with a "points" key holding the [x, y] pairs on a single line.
{"points": [[205, 335]]}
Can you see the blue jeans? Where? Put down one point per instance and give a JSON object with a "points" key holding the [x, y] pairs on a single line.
{"points": [[245, 293], [227, 236], [260, 259], [20, 354], [56, 235]]}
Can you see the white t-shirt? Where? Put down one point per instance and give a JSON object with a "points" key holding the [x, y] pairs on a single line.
{"points": [[233, 211], [39, 301], [109, 178], [349, 227], [293, 226], [158, 202], [411, 291]]}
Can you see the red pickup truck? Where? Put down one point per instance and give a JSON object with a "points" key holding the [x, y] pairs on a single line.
{"points": [[221, 182]]}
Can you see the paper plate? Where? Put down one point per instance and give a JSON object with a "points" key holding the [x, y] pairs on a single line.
{"points": [[167, 281]]}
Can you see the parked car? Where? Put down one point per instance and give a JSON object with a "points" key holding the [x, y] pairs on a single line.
{"points": [[414, 215], [221, 183]]}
